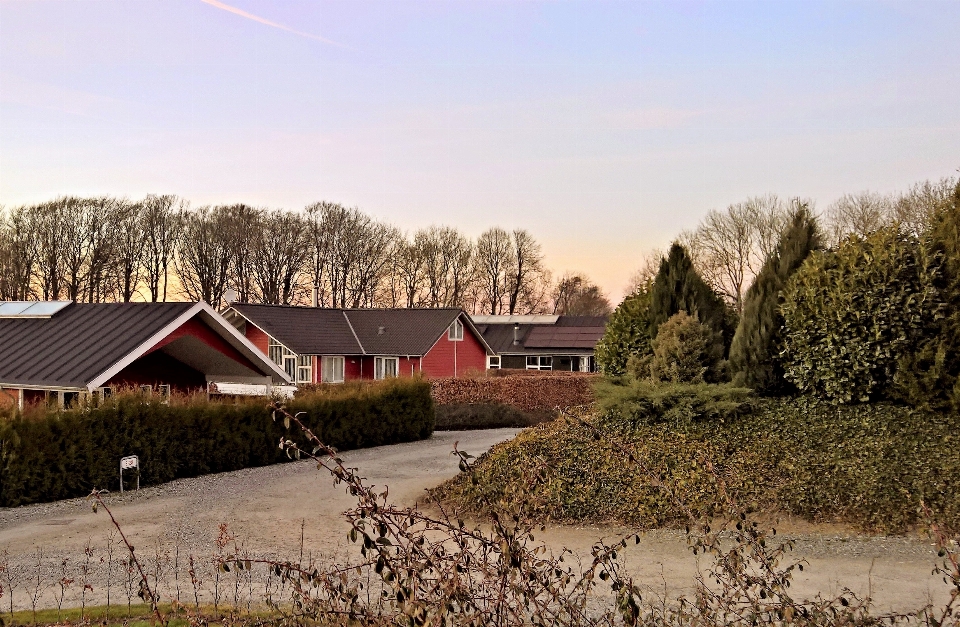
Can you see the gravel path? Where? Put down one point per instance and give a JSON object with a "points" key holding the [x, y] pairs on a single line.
{"points": [[267, 509]]}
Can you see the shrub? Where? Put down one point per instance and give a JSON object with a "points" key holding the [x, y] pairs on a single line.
{"points": [[627, 334], [758, 342], [870, 465], [528, 392], [465, 416], [59, 455], [685, 351], [851, 314]]}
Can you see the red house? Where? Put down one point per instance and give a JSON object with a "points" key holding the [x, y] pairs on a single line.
{"points": [[60, 350], [315, 345]]}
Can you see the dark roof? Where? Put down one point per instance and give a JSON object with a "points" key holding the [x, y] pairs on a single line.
{"points": [[573, 333], [563, 337], [304, 330], [79, 342], [318, 331], [405, 331]]}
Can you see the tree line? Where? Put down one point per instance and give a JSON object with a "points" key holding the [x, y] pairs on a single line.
{"points": [[108, 249], [859, 303]]}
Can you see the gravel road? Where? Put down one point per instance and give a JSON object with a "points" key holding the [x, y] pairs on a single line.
{"points": [[267, 509]]}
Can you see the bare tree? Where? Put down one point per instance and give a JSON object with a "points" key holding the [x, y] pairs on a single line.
{"points": [[728, 247], [161, 217], [130, 248], [493, 264], [204, 255], [411, 270], [526, 282], [18, 254], [280, 253], [575, 295], [242, 223], [647, 272], [858, 214], [916, 208]]}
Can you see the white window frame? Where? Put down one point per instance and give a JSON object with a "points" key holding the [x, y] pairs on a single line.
{"points": [[380, 367], [332, 369], [493, 362], [539, 362], [164, 390], [304, 369], [146, 390], [455, 332]]}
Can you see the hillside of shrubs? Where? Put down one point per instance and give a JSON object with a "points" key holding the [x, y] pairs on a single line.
{"points": [[832, 394], [50, 455]]}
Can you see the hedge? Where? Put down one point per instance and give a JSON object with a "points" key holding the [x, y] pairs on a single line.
{"points": [[526, 391], [46, 456]]}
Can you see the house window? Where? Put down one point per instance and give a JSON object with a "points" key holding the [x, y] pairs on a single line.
{"points": [[539, 362], [455, 332], [385, 367], [493, 362], [164, 390], [146, 390], [332, 369], [304, 369]]}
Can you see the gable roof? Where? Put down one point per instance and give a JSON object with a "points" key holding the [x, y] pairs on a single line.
{"points": [[84, 344], [303, 330], [319, 331]]}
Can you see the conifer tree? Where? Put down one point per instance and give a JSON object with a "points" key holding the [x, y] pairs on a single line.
{"points": [[678, 287], [930, 375], [754, 353], [627, 333]]}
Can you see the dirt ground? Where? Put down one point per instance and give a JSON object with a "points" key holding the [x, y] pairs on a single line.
{"points": [[267, 510]]}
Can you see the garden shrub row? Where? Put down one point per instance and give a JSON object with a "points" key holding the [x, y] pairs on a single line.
{"points": [[526, 392], [56, 455], [866, 465]]}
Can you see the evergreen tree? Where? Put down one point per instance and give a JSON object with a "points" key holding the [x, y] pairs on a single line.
{"points": [[930, 375], [678, 287], [754, 353], [627, 333]]}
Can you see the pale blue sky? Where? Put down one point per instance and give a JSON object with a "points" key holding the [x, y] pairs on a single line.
{"points": [[604, 128]]}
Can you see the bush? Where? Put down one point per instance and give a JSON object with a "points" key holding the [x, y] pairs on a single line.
{"points": [[685, 351], [866, 465], [466, 416], [66, 454], [528, 391], [851, 314], [627, 334]]}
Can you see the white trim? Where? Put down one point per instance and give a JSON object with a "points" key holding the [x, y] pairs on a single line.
{"points": [[233, 338]]}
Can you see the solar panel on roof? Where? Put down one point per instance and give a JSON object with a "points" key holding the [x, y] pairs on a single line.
{"points": [[32, 309]]}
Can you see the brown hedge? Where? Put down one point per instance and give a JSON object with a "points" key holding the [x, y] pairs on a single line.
{"points": [[527, 392]]}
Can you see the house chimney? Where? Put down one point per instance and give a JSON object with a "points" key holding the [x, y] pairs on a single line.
{"points": [[380, 330], [516, 333], [316, 296]]}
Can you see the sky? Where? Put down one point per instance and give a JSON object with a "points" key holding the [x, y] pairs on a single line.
{"points": [[603, 128]]}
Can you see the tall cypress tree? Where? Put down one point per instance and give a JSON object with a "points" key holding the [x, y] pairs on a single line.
{"points": [[930, 375], [754, 353], [678, 287]]}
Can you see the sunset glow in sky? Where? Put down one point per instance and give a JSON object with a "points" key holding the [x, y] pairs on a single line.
{"points": [[604, 128]]}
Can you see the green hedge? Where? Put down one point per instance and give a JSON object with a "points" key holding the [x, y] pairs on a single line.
{"points": [[60, 455]]}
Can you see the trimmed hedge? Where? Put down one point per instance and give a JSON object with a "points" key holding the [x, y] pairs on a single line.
{"points": [[868, 465], [66, 454], [466, 416]]}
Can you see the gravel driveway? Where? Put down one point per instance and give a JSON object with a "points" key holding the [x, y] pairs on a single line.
{"points": [[267, 509]]}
